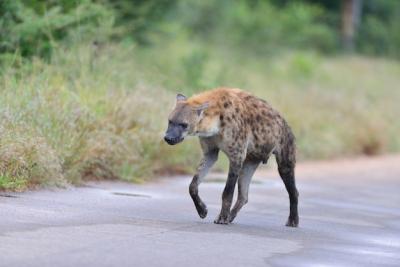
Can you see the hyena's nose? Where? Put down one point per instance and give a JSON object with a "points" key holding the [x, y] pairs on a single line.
{"points": [[168, 139], [172, 140]]}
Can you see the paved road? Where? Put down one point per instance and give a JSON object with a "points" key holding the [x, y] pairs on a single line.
{"points": [[349, 216]]}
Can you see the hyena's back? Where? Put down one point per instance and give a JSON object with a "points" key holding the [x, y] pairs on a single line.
{"points": [[244, 118]]}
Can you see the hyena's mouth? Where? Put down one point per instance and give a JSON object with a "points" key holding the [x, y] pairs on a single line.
{"points": [[173, 141]]}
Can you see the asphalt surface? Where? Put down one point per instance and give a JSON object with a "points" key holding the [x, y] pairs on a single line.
{"points": [[349, 216]]}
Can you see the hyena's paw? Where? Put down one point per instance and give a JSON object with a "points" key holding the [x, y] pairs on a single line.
{"points": [[231, 217], [293, 221], [202, 210], [222, 219]]}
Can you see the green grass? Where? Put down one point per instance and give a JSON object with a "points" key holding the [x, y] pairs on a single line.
{"points": [[101, 113], [13, 183]]}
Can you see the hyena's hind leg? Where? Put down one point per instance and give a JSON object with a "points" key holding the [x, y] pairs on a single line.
{"points": [[246, 173], [286, 160], [209, 158]]}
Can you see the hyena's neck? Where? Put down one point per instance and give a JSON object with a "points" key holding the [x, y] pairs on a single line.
{"points": [[207, 126], [217, 99]]}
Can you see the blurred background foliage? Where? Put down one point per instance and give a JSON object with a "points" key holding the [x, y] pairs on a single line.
{"points": [[86, 85], [31, 27]]}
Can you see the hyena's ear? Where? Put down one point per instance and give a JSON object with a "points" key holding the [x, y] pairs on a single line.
{"points": [[180, 97], [201, 108]]}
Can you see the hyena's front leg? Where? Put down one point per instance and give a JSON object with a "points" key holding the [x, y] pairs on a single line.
{"points": [[205, 165], [227, 195]]}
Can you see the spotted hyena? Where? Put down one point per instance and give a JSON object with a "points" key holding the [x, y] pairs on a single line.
{"points": [[248, 130]]}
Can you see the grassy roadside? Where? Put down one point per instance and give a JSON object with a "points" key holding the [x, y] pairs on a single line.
{"points": [[100, 112]]}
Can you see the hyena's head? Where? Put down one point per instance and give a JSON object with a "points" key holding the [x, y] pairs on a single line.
{"points": [[183, 120]]}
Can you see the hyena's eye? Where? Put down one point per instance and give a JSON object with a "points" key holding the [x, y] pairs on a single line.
{"points": [[183, 125]]}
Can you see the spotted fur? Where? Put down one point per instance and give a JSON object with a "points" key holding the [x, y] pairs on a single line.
{"points": [[248, 130]]}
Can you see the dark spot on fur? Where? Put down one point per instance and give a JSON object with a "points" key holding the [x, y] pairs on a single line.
{"points": [[221, 117], [227, 104], [237, 110], [258, 118]]}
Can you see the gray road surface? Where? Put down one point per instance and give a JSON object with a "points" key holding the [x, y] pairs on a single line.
{"points": [[349, 216]]}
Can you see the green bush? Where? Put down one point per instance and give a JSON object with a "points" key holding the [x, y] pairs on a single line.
{"points": [[379, 32], [139, 20], [259, 26], [36, 29]]}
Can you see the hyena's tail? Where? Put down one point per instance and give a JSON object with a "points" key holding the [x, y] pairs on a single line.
{"points": [[288, 149]]}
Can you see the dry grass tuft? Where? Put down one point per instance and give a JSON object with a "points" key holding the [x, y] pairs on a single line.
{"points": [[27, 161]]}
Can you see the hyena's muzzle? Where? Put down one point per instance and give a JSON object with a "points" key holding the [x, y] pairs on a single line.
{"points": [[175, 133]]}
